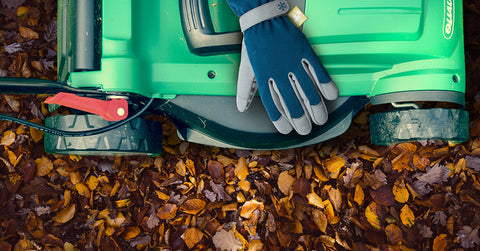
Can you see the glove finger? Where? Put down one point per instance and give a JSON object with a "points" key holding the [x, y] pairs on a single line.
{"points": [[320, 77], [309, 97], [300, 121], [246, 83]]}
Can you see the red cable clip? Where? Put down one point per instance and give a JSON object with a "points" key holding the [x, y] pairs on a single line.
{"points": [[111, 110]]}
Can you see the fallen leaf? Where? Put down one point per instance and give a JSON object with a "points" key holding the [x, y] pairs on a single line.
{"points": [[407, 216], [383, 196], [400, 191], [27, 33], [92, 182], [181, 168], [440, 243], [65, 214], [255, 245], [192, 236], [468, 237], [334, 166], [302, 186], [244, 185], [131, 232], [44, 166], [249, 207], [285, 182], [315, 200], [167, 212], [8, 138], [215, 169], [435, 175], [193, 206], [320, 220], [82, 190], [226, 240], [359, 195], [394, 234], [241, 169], [123, 203], [335, 197], [372, 215]]}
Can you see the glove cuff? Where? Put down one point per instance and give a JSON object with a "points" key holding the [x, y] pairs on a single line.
{"points": [[262, 13]]}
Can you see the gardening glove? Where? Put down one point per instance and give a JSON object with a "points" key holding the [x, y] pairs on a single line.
{"points": [[290, 78]]}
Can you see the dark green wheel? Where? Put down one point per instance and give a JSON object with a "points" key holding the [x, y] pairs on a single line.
{"points": [[138, 137], [419, 124]]}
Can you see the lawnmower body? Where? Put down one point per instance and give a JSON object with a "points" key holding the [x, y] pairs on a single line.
{"points": [[185, 54]]}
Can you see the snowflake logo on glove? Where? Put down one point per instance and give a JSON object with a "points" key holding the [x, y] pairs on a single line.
{"points": [[282, 6]]}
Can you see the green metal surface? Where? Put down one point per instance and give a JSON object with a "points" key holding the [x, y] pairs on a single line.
{"points": [[369, 47]]}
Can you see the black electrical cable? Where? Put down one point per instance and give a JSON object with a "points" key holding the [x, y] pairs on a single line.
{"points": [[76, 133]]}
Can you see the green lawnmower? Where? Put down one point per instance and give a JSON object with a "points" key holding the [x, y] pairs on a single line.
{"points": [[119, 60]]}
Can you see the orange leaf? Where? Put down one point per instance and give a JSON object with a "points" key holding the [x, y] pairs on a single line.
{"points": [[400, 191], [241, 169], [315, 200], [359, 195], [131, 232], [44, 166], [193, 206], [440, 242], [334, 165], [285, 182], [250, 206], [192, 236], [82, 190], [372, 216], [407, 216], [181, 168], [65, 215]]}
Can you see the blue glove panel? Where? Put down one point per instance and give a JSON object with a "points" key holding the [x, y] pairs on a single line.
{"points": [[290, 78]]}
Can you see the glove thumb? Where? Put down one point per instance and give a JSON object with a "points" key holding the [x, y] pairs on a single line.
{"points": [[246, 83]]}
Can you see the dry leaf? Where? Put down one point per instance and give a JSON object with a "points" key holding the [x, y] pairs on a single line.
{"points": [[400, 191], [131, 233], [193, 206], [167, 212], [329, 212], [383, 196], [440, 243], [255, 245], [181, 168], [435, 175], [215, 169], [117, 222], [244, 185], [65, 214], [372, 215], [12, 102], [334, 166], [192, 236], [315, 200], [13, 158], [82, 190], [44, 166], [27, 33], [249, 207], [336, 198], [285, 182], [123, 203], [320, 220], [407, 216], [302, 186], [241, 169], [468, 237], [394, 234], [92, 182], [226, 241], [8, 138], [359, 195]]}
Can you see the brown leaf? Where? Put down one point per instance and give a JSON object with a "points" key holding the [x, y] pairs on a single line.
{"points": [[335, 197], [167, 212], [226, 240], [193, 206], [394, 234], [181, 168], [44, 166], [383, 196], [320, 220], [27, 33], [65, 215], [215, 169], [302, 186], [315, 200], [8, 138]]}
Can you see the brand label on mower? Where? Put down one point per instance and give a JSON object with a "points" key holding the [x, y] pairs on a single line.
{"points": [[448, 18]]}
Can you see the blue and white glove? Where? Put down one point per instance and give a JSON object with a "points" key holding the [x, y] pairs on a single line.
{"points": [[277, 57]]}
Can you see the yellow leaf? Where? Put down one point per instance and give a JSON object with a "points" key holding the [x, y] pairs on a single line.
{"points": [[193, 206], [241, 169], [329, 212], [44, 166], [407, 216], [82, 190], [36, 134], [285, 182], [334, 165], [190, 166], [192, 236], [92, 182], [21, 11], [400, 191], [359, 195], [162, 195], [13, 158], [8, 138], [65, 215], [372, 217], [244, 185], [315, 200], [255, 245], [123, 203]]}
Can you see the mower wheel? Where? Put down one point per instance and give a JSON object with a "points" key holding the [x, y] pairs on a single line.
{"points": [[138, 137], [419, 124]]}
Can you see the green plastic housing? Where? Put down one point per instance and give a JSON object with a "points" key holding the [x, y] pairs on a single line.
{"points": [[370, 48]]}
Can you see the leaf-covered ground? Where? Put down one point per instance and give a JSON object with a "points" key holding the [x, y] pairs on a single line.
{"points": [[340, 194]]}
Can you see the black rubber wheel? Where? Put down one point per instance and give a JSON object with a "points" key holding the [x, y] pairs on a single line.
{"points": [[419, 124], [138, 137]]}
